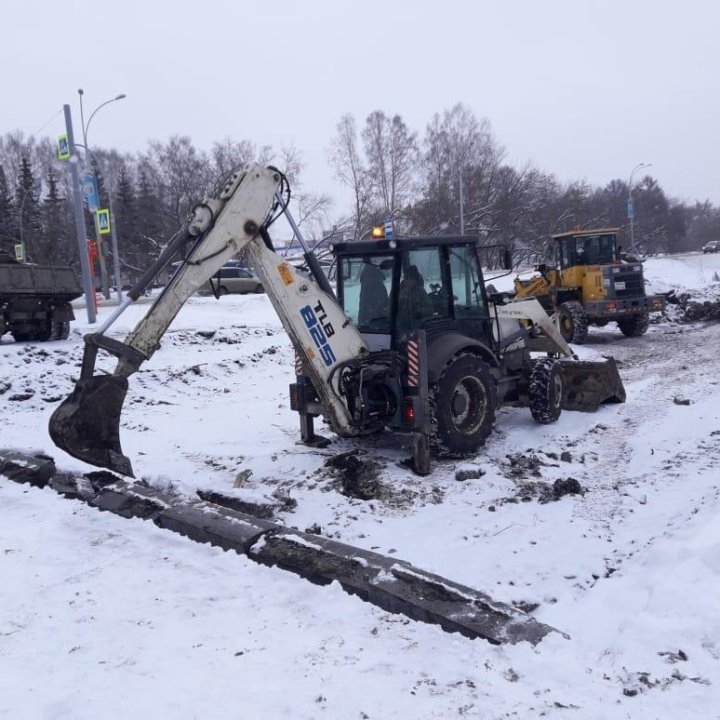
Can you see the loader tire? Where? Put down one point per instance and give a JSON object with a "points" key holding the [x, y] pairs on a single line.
{"points": [[634, 326], [573, 322], [463, 406], [546, 391]]}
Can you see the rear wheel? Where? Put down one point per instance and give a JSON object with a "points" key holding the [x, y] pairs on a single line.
{"points": [[259, 289], [463, 406], [546, 391], [37, 330], [222, 290], [60, 330], [573, 322], [635, 325]]}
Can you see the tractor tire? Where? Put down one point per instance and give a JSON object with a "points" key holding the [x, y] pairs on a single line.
{"points": [[60, 330], [634, 326], [546, 391], [573, 322], [463, 406]]}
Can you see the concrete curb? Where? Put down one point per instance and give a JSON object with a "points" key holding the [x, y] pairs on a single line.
{"points": [[389, 583]]}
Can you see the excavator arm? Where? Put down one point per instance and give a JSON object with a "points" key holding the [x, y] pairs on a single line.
{"points": [[87, 423]]}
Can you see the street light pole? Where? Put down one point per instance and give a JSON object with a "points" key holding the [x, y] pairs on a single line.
{"points": [[80, 219], [630, 204], [462, 210], [98, 234]]}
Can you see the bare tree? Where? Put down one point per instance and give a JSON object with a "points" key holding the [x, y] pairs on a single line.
{"points": [[391, 151], [350, 170]]}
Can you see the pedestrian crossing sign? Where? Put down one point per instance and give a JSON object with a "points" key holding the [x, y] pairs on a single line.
{"points": [[63, 148], [103, 221]]}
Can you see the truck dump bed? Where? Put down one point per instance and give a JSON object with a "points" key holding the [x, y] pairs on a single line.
{"points": [[38, 281]]}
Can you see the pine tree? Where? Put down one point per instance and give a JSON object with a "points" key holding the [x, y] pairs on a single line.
{"points": [[27, 215], [57, 247], [7, 239], [125, 212]]}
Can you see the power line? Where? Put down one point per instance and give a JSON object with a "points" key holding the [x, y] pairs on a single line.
{"points": [[37, 132]]}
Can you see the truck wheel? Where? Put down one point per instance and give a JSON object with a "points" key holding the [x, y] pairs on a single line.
{"points": [[463, 406], [37, 330], [546, 391], [22, 332], [60, 330], [573, 322], [634, 326]]}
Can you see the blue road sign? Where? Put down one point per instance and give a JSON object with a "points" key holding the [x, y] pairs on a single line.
{"points": [[90, 191], [389, 228]]}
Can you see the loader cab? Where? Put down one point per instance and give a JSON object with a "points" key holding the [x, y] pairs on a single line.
{"points": [[594, 247], [391, 288]]}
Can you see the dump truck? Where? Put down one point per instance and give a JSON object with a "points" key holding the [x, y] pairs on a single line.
{"points": [[589, 281], [35, 300], [411, 341]]}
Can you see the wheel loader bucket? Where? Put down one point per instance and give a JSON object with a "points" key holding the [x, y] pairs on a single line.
{"points": [[87, 424], [587, 385]]}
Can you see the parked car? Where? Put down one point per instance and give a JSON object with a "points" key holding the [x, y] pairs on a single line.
{"points": [[712, 246], [232, 279]]}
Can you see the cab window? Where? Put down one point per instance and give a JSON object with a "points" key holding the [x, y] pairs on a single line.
{"points": [[366, 284], [468, 299]]}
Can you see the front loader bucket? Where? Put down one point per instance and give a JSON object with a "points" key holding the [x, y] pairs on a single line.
{"points": [[587, 385], [87, 424]]}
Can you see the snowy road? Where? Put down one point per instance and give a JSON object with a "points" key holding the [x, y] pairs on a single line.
{"points": [[103, 617]]}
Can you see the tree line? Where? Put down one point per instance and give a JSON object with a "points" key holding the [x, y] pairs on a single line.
{"points": [[391, 171]]}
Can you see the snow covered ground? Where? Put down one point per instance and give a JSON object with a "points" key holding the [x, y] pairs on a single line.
{"points": [[108, 618]]}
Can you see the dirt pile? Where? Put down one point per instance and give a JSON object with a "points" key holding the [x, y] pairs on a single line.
{"points": [[696, 306]]}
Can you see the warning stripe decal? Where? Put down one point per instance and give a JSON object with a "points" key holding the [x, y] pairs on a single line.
{"points": [[413, 364]]}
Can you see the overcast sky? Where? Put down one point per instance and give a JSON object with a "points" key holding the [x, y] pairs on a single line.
{"points": [[581, 88]]}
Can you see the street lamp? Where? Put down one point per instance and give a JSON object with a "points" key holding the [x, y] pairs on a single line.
{"points": [[630, 204], [98, 235]]}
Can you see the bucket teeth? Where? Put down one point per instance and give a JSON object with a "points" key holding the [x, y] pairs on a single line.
{"points": [[87, 424]]}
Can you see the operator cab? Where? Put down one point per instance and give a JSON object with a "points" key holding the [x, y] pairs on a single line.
{"points": [[594, 247], [392, 287]]}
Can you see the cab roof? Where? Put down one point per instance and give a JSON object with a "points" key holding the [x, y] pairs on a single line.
{"points": [[400, 244], [583, 233]]}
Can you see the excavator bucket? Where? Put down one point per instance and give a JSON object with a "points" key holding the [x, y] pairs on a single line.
{"points": [[587, 385], [87, 424]]}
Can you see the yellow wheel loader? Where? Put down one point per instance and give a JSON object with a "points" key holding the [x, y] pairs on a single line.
{"points": [[587, 282]]}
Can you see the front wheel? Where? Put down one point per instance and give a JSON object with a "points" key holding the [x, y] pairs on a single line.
{"points": [[546, 391], [259, 289], [463, 405], [635, 325], [573, 322]]}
